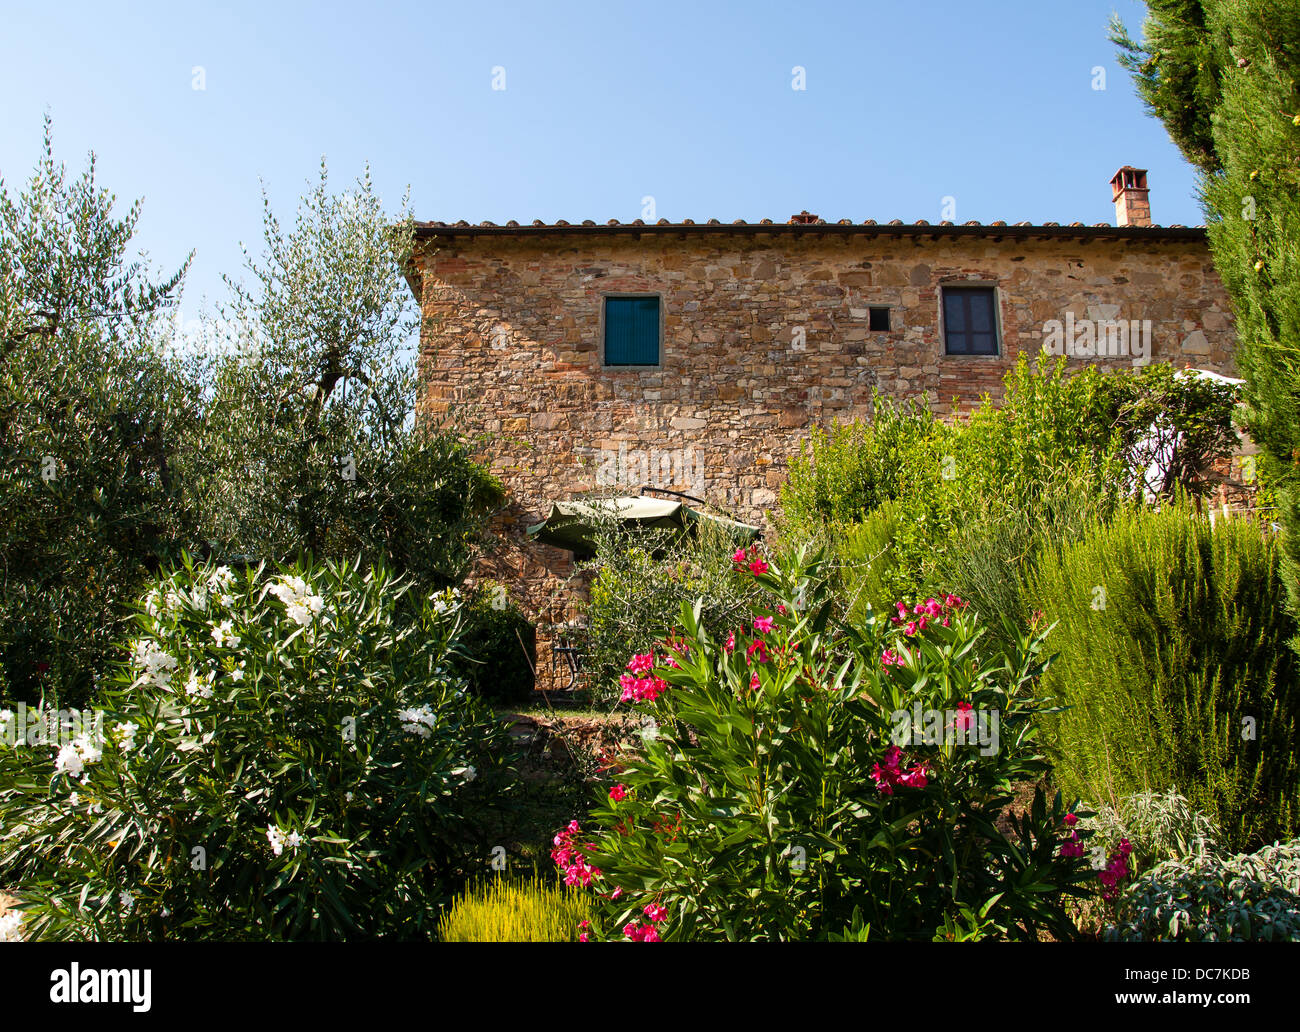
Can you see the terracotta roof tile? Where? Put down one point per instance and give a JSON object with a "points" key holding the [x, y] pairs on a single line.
{"points": [[806, 222]]}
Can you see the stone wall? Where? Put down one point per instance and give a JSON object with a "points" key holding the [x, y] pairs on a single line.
{"points": [[764, 336]]}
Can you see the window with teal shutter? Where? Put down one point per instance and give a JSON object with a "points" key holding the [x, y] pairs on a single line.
{"points": [[631, 331]]}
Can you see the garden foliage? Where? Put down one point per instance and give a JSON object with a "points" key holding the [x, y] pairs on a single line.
{"points": [[287, 427], [1212, 898], [92, 421], [537, 909], [1224, 78], [284, 755], [1174, 668], [638, 584], [787, 792]]}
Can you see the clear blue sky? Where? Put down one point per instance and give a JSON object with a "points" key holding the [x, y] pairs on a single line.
{"points": [[991, 103]]}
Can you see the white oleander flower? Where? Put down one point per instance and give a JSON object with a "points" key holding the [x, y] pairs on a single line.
{"points": [[224, 634], [200, 687], [293, 839], [276, 838], [156, 665], [90, 750], [299, 601], [11, 925], [126, 735], [417, 720], [126, 899], [68, 761]]}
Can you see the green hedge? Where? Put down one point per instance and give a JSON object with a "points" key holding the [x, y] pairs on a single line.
{"points": [[1174, 668]]}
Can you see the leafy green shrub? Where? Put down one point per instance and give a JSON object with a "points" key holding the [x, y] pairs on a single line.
{"points": [[638, 586], [281, 757], [497, 649], [1160, 826], [970, 504], [1208, 898], [1174, 668], [845, 473], [868, 571], [505, 910], [775, 802]]}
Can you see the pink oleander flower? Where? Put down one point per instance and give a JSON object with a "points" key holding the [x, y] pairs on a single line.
{"points": [[758, 567], [568, 856], [641, 933], [618, 793], [1072, 847], [914, 778], [731, 643], [910, 629], [739, 556], [763, 625], [1115, 871], [892, 774], [1071, 819], [754, 683], [890, 658], [780, 608], [757, 646], [642, 664], [655, 912], [642, 689], [965, 715]]}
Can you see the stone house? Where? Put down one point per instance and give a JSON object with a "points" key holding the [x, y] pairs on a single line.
{"points": [[696, 356]]}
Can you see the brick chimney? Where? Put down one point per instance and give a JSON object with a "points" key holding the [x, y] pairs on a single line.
{"points": [[1130, 194]]}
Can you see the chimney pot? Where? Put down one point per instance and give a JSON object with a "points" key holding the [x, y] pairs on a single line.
{"points": [[1131, 196], [804, 219]]}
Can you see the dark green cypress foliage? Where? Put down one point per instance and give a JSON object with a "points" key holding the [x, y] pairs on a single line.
{"points": [[1224, 78]]}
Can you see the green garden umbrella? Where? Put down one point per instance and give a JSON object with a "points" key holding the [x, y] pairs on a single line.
{"points": [[574, 525]]}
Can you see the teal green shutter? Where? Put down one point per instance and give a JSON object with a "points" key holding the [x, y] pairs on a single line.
{"points": [[631, 331]]}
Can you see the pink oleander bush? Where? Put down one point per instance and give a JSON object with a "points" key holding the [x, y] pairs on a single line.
{"points": [[809, 779]]}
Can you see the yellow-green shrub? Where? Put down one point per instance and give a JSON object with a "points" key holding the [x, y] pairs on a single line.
{"points": [[505, 910]]}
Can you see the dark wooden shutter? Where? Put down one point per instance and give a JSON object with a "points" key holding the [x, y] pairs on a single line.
{"points": [[970, 323], [631, 331]]}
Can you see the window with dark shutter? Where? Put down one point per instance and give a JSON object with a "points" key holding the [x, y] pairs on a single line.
{"points": [[970, 322], [631, 331]]}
